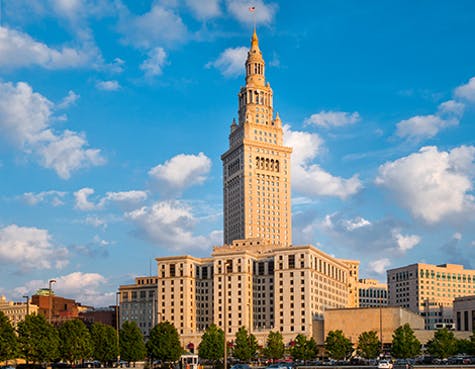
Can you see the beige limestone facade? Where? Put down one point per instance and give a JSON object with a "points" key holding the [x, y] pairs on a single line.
{"points": [[430, 290], [464, 313], [372, 293], [256, 167], [17, 311]]}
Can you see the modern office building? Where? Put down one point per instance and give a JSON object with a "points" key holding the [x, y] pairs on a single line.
{"points": [[138, 303], [372, 293], [464, 313], [257, 279], [430, 290], [17, 311]]}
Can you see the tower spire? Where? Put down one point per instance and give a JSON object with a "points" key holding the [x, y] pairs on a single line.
{"points": [[255, 63]]}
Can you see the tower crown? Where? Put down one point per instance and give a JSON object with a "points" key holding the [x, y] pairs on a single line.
{"points": [[255, 63]]}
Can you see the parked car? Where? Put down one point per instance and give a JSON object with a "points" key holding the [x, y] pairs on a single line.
{"points": [[240, 366], [385, 364], [403, 364]]}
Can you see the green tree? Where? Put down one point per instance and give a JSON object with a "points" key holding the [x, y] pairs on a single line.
{"points": [[465, 346], [8, 340], [338, 346], [104, 343], [74, 341], [304, 349], [274, 346], [405, 344], [369, 345], [38, 340], [211, 346], [164, 343], [443, 345], [132, 345], [245, 345]]}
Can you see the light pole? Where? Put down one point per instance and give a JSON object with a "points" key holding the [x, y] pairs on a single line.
{"points": [[381, 321], [117, 294], [50, 313], [27, 304]]}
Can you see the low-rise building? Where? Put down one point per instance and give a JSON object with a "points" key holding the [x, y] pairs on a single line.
{"points": [[464, 313], [16, 311], [55, 308]]}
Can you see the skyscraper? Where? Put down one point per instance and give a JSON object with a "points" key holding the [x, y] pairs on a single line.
{"points": [[256, 167]]}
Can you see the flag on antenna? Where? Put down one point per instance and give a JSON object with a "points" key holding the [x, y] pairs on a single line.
{"points": [[252, 9]]}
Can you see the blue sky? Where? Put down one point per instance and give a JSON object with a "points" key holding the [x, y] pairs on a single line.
{"points": [[114, 114]]}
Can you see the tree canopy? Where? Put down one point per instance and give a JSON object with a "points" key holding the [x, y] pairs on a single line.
{"points": [[74, 341], [245, 345], [164, 343], [443, 345], [304, 349], [38, 340], [104, 342], [405, 344], [274, 346], [211, 346], [8, 340], [132, 345], [338, 346], [369, 345]]}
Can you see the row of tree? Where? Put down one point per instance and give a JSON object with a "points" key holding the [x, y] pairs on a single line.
{"points": [[404, 344], [38, 341]]}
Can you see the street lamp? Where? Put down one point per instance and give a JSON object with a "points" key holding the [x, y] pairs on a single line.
{"points": [[50, 313], [27, 304], [117, 294]]}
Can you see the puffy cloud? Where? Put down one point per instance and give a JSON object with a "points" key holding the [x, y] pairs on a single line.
{"points": [[68, 100], [432, 184], [25, 120], [263, 14], [204, 9], [82, 199], [168, 224], [19, 50], [466, 91], [181, 171], [421, 127], [54, 197], [152, 29], [329, 119], [310, 179], [95, 221], [28, 248], [358, 222], [379, 266], [122, 198], [405, 243], [111, 85], [156, 61], [231, 61]]}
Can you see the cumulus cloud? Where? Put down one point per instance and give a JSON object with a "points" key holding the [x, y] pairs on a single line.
{"points": [[310, 179], [55, 198], [358, 222], [407, 242], [152, 29], [68, 100], [466, 91], [329, 119], [231, 61], [432, 184], [28, 248], [422, 127], [168, 224], [19, 50], [155, 62], [25, 121], [204, 9], [379, 266], [111, 85], [263, 14], [181, 171], [122, 198], [95, 221], [82, 199]]}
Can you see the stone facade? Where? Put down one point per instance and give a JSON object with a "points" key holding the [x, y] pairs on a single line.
{"points": [[464, 313], [16, 311], [372, 293]]}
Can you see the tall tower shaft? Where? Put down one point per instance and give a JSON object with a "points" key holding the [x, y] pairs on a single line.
{"points": [[256, 167]]}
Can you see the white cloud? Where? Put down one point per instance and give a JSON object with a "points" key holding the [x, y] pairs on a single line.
{"points": [[432, 184], [310, 179], [54, 197], [379, 266], [457, 236], [466, 91], [181, 171], [155, 62], [422, 127], [405, 243], [19, 50], [25, 120], [28, 248], [82, 199], [329, 119], [263, 14], [231, 61], [204, 9], [108, 85], [68, 100], [95, 221], [153, 29], [124, 198], [168, 224], [358, 222]]}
